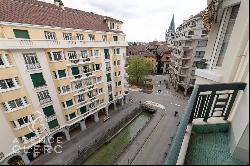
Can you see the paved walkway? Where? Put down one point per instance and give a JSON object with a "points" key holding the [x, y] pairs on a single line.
{"points": [[150, 147], [70, 148]]}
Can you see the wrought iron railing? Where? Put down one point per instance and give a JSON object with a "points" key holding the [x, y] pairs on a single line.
{"points": [[206, 101]]}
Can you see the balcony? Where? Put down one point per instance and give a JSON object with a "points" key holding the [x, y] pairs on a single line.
{"points": [[207, 116], [43, 44]]}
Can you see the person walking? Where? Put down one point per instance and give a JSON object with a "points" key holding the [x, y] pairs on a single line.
{"points": [[175, 113]]}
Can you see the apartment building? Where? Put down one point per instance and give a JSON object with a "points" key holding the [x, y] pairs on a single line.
{"points": [[63, 64], [188, 47], [218, 110]]}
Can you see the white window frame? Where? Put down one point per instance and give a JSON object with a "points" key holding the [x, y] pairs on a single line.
{"points": [[220, 38], [5, 60], [50, 35], [67, 36], [8, 107], [15, 83]]}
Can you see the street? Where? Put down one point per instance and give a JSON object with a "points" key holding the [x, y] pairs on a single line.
{"points": [[150, 147]]}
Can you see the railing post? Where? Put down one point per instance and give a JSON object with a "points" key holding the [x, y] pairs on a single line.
{"points": [[209, 106], [230, 105]]}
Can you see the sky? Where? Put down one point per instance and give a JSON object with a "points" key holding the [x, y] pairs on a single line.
{"points": [[143, 20]]}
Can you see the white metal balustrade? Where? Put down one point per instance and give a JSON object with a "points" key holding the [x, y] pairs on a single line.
{"points": [[29, 44]]}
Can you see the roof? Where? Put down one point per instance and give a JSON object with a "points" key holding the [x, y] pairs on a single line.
{"points": [[42, 13]]}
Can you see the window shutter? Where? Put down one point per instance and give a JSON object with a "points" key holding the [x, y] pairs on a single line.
{"points": [[69, 103], [72, 116], [61, 73], [53, 124], [38, 80], [75, 71], [23, 34], [83, 110], [49, 111]]}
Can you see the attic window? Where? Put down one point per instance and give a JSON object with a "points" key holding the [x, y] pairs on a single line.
{"points": [[112, 25]]}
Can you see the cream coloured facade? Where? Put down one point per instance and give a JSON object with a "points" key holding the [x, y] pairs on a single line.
{"points": [[64, 74], [227, 57], [188, 45]]}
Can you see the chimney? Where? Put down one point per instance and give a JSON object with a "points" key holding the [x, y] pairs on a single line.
{"points": [[59, 3]]}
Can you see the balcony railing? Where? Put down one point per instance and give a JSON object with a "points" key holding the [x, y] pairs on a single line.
{"points": [[29, 44], [33, 66], [215, 100]]}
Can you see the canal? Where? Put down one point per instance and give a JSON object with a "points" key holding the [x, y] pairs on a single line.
{"points": [[108, 153]]}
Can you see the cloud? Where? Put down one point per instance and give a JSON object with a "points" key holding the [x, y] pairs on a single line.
{"points": [[143, 20]]}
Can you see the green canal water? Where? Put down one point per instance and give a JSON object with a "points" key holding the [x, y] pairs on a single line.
{"points": [[108, 153]]}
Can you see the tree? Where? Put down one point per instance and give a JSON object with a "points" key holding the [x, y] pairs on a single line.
{"points": [[138, 68]]}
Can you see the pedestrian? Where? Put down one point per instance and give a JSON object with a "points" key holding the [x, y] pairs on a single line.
{"points": [[160, 82], [179, 124], [175, 113]]}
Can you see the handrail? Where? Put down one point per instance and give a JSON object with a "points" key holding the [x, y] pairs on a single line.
{"points": [[202, 104]]}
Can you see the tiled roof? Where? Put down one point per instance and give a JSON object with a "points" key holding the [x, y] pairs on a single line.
{"points": [[41, 13]]}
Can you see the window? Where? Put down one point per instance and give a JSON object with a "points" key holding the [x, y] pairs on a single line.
{"points": [[69, 103], [75, 71], [30, 135], [49, 111], [67, 36], [79, 36], [4, 60], [114, 63], [61, 73], [115, 74], [119, 73], [83, 110], [72, 55], [7, 83], [228, 33], [30, 58], [84, 54], [112, 25], [200, 54], [56, 56], [98, 66], [100, 90], [109, 77], [22, 34], [115, 38], [15, 104], [44, 97], [24, 120], [91, 37], [81, 98], [118, 51], [1, 61], [202, 43], [104, 38], [99, 79], [72, 115], [50, 35], [64, 89], [78, 84], [38, 80], [53, 124], [96, 52], [118, 63]]}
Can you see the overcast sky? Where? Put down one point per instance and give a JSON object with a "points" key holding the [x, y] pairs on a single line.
{"points": [[143, 20]]}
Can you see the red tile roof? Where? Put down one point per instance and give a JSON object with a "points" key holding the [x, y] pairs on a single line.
{"points": [[41, 13]]}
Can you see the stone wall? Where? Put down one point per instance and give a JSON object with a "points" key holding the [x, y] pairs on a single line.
{"points": [[104, 137]]}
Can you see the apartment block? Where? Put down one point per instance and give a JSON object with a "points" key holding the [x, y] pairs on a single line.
{"points": [[188, 45], [63, 64]]}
